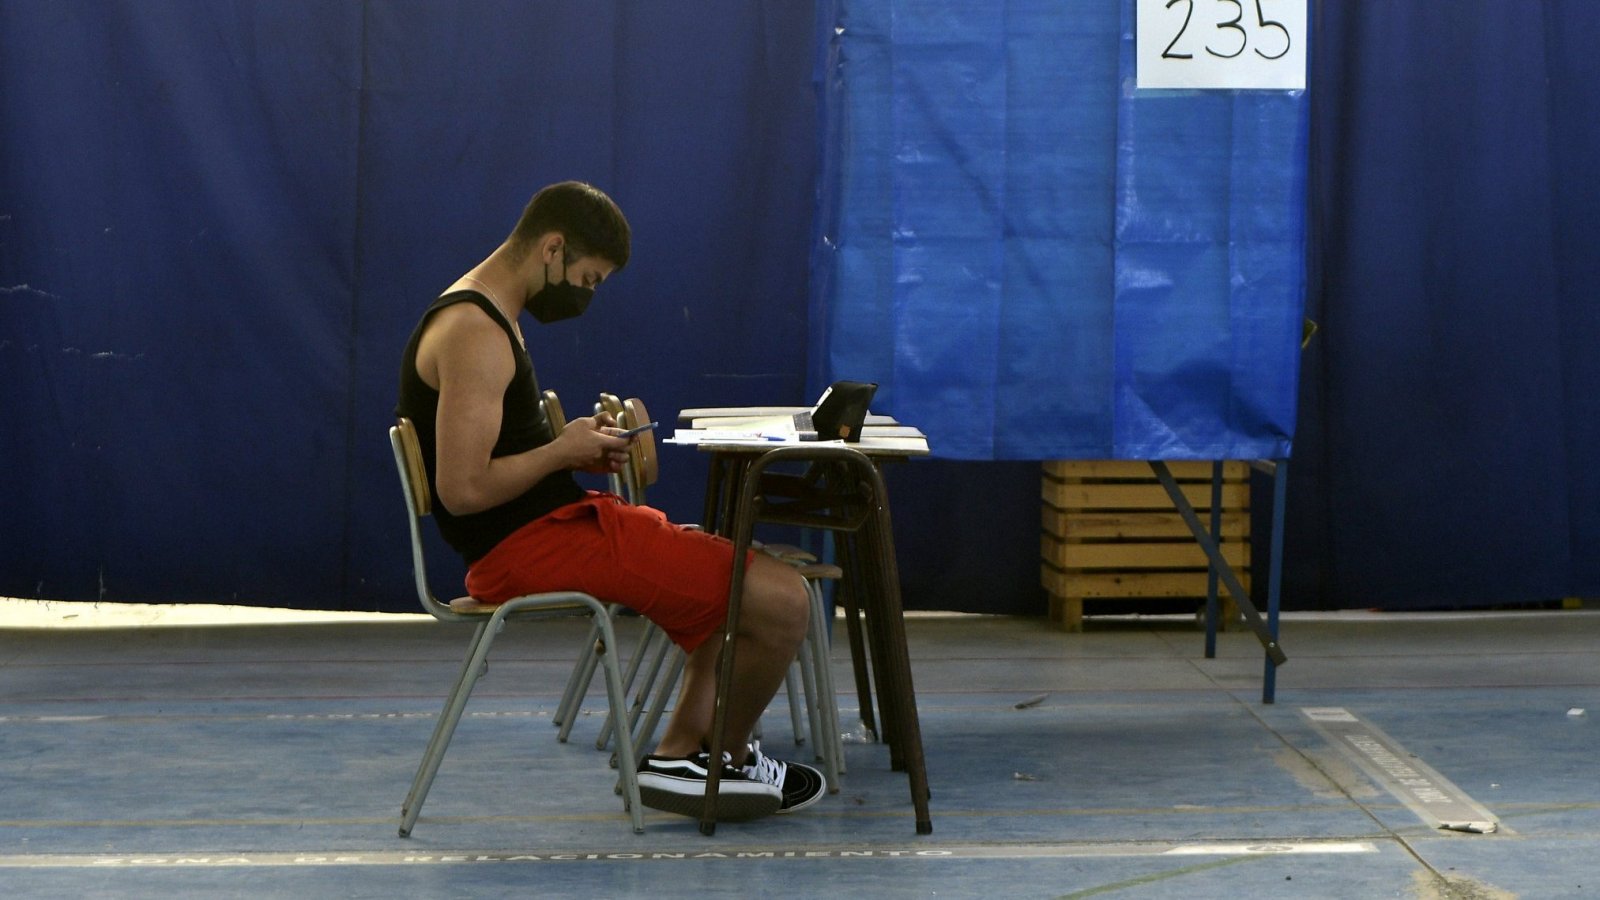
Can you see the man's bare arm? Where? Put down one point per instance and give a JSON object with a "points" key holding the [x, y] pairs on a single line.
{"points": [[467, 352]]}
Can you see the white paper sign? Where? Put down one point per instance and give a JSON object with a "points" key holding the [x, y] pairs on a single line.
{"points": [[1223, 44]]}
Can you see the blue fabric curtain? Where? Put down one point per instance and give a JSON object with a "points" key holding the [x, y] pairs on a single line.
{"points": [[177, 221], [1035, 260], [220, 220], [1447, 451]]}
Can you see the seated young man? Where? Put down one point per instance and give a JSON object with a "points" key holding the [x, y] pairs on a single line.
{"points": [[508, 503]]}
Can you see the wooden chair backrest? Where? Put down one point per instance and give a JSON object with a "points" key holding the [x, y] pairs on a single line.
{"points": [[642, 454], [414, 482], [553, 411], [415, 472]]}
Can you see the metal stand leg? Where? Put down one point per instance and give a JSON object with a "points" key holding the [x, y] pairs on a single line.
{"points": [[1211, 568], [1268, 638], [1280, 491]]}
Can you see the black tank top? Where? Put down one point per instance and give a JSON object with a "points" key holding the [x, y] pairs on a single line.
{"points": [[523, 426]]}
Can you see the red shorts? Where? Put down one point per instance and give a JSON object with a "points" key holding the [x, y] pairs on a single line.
{"points": [[620, 553]]}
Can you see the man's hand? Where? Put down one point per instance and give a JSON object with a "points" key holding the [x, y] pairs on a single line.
{"points": [[590, 444]]}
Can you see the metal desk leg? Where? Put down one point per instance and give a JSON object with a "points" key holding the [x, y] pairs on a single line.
{"points": [[861, 558], [719, 716], [711, 517], [850, 592], [736, 521], [904, 723], [871, 545], [878, 640]]}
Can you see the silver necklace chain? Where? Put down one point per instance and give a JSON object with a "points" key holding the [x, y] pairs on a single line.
{"points": [[490, 292], [486, 289]]}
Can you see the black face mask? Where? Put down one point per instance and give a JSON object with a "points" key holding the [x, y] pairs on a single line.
{"points": [[559, 300]]}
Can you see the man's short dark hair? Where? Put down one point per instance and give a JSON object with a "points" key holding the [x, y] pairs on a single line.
{"points": [[589, 221]]}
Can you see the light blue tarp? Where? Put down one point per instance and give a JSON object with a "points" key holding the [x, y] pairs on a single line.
{"points": [[1033, 259]]}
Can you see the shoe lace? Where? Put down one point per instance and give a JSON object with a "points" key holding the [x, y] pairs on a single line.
{"points": [[764, 768]]}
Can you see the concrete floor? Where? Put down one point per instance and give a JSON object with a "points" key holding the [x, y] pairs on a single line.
{"points": [[269, 759]]}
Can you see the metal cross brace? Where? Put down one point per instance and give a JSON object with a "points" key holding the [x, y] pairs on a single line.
{"points": [[1219, 565]]}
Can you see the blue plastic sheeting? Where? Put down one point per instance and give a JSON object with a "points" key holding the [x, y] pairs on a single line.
{"points": [[1035, 260], [220, 220]]}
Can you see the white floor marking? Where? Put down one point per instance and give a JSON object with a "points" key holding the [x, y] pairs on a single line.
{"points": [[468, 857], [1430, 795]]}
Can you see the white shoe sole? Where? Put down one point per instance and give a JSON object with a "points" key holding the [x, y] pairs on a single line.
{"points": [[737, 801]]}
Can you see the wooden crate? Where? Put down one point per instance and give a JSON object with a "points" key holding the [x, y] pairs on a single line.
{"points": [[1110, 532]]}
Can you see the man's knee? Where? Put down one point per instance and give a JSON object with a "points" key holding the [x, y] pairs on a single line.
{"points": [[797, 604], [784, 603]]}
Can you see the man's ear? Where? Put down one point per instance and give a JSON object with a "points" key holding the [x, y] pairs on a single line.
{"points": [[550, 247]]}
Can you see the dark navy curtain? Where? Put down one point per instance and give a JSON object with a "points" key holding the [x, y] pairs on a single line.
{"points": [[1450, 423], [220, 220], [177, 233]]}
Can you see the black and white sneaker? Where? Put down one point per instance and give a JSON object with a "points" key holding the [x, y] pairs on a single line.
{"points": [[801, 784], [678, 785]]}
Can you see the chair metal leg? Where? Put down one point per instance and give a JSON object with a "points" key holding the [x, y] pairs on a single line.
{"points": [[826, 681], [646, 732], [445, 727], [830, 744], [664, 648], [641, 650], [824, 746], [791, 689], [473, 668], [628, 763], [806, 663], [592, 659], [577, 685]]}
